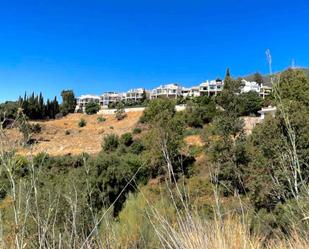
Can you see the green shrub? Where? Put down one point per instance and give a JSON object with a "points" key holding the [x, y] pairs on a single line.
{"points": [[126, 139], [120, 113], [137, 130], [101, 119], [92, 108], [156, 107], [137, 147], [193, 131], [8, 110], [82, 123], [110, 142], [249, 103], [35, 128], [200, 111]]}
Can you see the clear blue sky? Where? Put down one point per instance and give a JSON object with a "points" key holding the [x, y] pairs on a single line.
{"points": [[93, 46]]}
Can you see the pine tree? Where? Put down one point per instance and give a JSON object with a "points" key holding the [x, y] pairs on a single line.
{"points": [[227, 74], [258, 78], [68, 102]]}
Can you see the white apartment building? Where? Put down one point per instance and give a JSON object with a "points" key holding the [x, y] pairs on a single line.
{"points": [[250, 86], [265, 91], [110, 97], [135, 95], [186, 92], [83, 100], [253, 86], [190, 92], [171, 91], [211, 88]]}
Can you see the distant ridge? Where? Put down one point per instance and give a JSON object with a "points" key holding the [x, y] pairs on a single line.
{"points": [[266, 78]]}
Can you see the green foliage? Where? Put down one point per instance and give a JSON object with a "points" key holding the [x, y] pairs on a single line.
{"points": [[132, 218], [236, 103], [137, 147], [112, 175], [249, 103], [200, 111], [227, 124], [82, 123], [228, 97], [164, 140], [68, 102], [34, 107], [156, 107], [137, 131], [27, 129], [36, 128], [92, 108], [192, 131], [258, 78], [120, 113], [292, 85], [110, 142], [101, 119], [126, 139], [225, 147], [8, 110], [270, 165]]}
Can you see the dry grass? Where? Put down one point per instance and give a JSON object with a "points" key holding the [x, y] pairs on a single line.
{"points": [[230, 233], [250, 123], [194, 140], [54, 140]]}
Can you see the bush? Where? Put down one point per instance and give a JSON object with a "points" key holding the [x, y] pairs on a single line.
{"points": [[82, 123], [67, 132], [137, 147], [199, 112], [92, 108], [127, 139], [35, 128], [156, 107], [101, 119], [8, 110], [27, 130], [137, 130], [110, 143], [120, 112], [249, 103]]}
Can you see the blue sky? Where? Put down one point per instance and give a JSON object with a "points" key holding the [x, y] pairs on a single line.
{"points": [[98, 45]]}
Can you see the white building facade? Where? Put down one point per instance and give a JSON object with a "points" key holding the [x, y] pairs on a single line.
{"points": [[170, 91], [136, 95], [110, 97], [211, 88], [83, 100], [249, 86]]}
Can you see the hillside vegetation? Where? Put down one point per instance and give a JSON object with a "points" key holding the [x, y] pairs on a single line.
{"points": [[178, 180]]}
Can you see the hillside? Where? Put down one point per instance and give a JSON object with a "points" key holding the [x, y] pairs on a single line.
{"points": [[266, 78], [64, 136]]}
